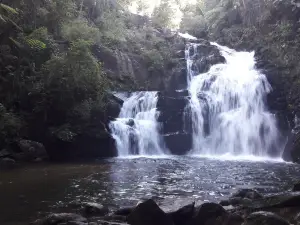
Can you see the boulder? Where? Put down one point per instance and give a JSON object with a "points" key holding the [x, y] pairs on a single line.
{"points": [[4, 153], [149, 213], [265, 218], [32, 150], [247, 193], [235, 219], [296, 187], [183, 215], [95, 209], [7, 163], [62, 218], [209, 213]]}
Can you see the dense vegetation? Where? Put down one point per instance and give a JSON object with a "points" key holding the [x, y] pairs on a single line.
{"points": [[61, 58]]}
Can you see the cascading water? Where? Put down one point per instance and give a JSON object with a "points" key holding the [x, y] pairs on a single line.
{"points": [[136, 131], [227, 107]]}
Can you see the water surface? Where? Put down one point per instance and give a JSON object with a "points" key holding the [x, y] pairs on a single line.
{"points": [[27, 193]]}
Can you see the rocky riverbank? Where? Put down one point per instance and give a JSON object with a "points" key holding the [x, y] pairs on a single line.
{"points": [[245, 207]]}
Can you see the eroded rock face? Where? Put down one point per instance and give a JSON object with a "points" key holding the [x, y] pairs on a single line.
{"points": [[149, 213], [265, 218]]}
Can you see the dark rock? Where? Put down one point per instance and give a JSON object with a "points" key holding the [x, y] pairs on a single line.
{"points": [[235, 219], [124, 211], [95, 209], [297, 219], [4, 153], [296, 187], [32, 150], [209, 213], [178, 143], [247, 193], [264, 218], [289, 199], [115, 218], [148, 213], [183, 215], [225, 203], [7, 163], [61, 218]]}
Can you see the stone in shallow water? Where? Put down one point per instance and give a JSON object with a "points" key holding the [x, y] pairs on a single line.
{"points": [[125, 211], [296, 187], [149, 213], [62, 218], [247, 193], [265, 218], [92, 209]]}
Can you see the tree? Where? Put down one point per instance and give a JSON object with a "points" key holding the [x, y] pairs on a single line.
{"points": [[162, 15]]}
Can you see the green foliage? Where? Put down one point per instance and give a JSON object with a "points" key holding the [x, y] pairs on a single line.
{"points": [[80, 29], [154, 60], [163, 15]]}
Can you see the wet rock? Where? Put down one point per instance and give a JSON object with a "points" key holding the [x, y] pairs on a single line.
{"points": [[224, 203], [183, 215], [125, 211], [148, 213], [265, 218], [7, 163], [31, 150], [62, 218], [296, 187], [95, 209], [247, 193], [4, 153], [297, 219], [209, 213], [115, 218], [235, 219]]}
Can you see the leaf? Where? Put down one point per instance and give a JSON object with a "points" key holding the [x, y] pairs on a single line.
{"points": [[8, 9]]}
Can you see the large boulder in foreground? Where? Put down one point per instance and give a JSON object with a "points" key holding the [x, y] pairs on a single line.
{"points": [[265, 218], [149, 213], [183, 215], [210, 214]]}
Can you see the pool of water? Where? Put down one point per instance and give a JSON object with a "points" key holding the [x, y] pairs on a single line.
{"points": [[30, 192]]}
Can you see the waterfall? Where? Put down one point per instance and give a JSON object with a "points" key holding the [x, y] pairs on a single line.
{"points": [[136, 131], [227, 107]]}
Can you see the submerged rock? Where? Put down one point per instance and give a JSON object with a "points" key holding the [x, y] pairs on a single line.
{"points": [[62, 218], [265, 218], [149, 213], [7, 163], [125, 211], [296, 187], [247, 193], [95, 209]]}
